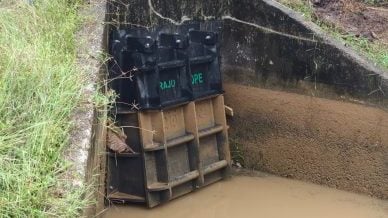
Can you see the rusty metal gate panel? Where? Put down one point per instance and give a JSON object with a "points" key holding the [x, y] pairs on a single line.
{"points": [[181, 149]]}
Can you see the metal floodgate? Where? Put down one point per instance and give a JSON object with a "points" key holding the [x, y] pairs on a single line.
{"points": [[178, 150]]}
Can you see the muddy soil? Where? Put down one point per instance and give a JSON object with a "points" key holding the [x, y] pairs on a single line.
{"points": [[355, 17], [261, 196], [340, 144]]}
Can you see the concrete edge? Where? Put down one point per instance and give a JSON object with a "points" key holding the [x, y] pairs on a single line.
{"points": [[81, 151], [318, 32]]}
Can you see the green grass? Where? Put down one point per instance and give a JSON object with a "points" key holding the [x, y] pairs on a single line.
{"points": [[374, 51], [375, 2], [236, 153], [39, 88]]}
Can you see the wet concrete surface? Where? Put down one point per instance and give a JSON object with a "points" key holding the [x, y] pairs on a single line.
{"points": [[336, 143], [261, 196]]}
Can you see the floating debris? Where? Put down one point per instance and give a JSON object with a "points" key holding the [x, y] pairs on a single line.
{"points": [[116, 140]]}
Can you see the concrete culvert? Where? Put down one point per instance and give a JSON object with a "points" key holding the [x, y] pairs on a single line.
{"points": [[305, 107]]}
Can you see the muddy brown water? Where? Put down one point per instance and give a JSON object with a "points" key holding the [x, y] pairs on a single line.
{"points": [[261, 196]]}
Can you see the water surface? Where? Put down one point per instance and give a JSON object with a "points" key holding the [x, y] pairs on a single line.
{"points": [[261, 196]]}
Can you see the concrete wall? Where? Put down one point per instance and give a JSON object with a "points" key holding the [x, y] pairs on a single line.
{"points": [[278, 61], [86, 151], [306, 106], [319, 125]]}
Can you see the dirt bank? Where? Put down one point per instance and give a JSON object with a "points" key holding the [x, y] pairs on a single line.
{"points": [[355, 17], [329, 142], [264, 196]]}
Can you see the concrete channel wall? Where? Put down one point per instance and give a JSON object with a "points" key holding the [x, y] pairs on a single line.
{"points": [[87, 140], [306, 107]]}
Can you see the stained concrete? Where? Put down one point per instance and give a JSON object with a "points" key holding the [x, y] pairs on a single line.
{"points": [[268, 39], [85, 151], [340, 144], [278, 61]]}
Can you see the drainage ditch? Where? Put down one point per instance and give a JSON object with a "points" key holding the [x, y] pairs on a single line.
{"points": [[305, 106]]}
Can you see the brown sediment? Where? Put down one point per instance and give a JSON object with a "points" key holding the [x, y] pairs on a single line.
{"points": [[263, 196], [340, 144]]}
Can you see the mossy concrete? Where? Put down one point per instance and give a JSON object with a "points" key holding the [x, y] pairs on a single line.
{"points": [[87, 141]]}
